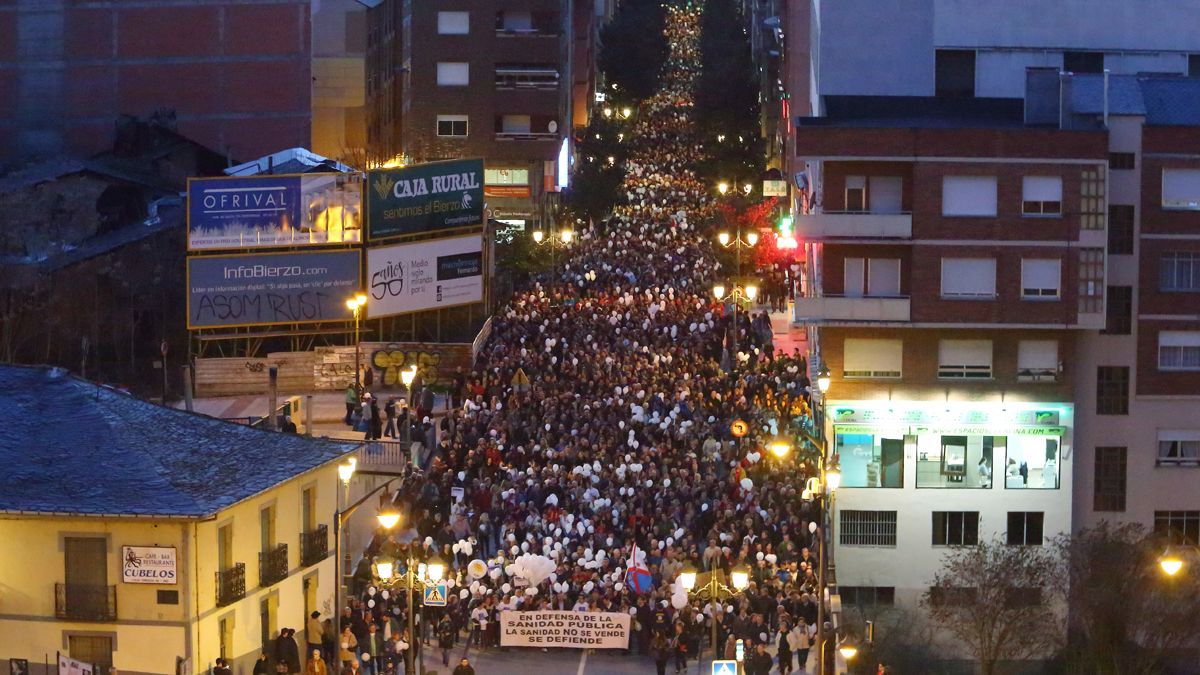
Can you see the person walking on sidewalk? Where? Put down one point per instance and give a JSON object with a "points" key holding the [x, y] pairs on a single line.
{"points": [[445, 633]]}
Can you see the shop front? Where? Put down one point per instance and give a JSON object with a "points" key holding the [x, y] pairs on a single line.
{"points": [[926, 445]]}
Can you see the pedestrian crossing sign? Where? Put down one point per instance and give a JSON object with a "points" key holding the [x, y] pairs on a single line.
{"points": [[724, 668], [435, 595]]}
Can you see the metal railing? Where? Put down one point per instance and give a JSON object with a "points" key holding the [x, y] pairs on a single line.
{"points": [[85, 602], [231, 584], [273, 565], [385, 453], [314, 546]]}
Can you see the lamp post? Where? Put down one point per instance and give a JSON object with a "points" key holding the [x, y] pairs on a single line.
{"points": [[739, 579], [562, 239], [413, 579], [355, 304], [407, 376], [737, 293], [738, 241]]}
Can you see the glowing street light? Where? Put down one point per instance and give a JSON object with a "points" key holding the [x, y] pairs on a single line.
{"points": [[740, 577], [848, 651], [355, 304], [1170, 563], [823, 379], [538, 236], [346, 472], [567, 236], [833, 478], [723, 238], [626, 112], [722, 187], [388, 518], [779, 447]]}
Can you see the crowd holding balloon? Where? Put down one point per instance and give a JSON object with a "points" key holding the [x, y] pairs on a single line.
{"points": [[592, 487]]}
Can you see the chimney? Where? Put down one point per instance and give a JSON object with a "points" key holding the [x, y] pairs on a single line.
{"points": [[1042, 97], [272, 395]]}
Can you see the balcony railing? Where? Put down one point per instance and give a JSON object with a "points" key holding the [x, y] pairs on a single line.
{"points": [[526, 135], [837, 224], [314, 546], [231, 585], [85, 602], [866, 309], [273, 565]]}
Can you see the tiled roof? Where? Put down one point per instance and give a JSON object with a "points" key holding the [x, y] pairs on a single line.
{"points": [[72, 446]]}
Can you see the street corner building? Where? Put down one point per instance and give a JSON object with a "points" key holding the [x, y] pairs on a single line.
{"points": [[154, 540]]}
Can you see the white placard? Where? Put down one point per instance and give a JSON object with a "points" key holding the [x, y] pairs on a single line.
{"points": [[148, 565], [580, 630], [425, 275], [70, 666], [775, 188]]}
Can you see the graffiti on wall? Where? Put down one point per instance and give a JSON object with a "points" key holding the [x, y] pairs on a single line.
{"points": [[392, 359]]}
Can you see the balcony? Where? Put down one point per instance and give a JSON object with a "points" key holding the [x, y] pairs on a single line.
{"points": [[231, 585], [856, 225], [273, 565], [314, 546], [836, 308], [85, 602]]}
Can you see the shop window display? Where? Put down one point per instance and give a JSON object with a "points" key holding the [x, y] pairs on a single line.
{"points": [[965, 462], [1032, 462], [871, 461]]}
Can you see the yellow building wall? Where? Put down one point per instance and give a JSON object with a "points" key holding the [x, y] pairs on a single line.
{"points": [[289, 593], [147, 636]]}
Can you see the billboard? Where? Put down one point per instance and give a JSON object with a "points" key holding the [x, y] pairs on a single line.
{"points": [[424, 198], [261, 289], [262, 211], [148, 564], [425, 275]]}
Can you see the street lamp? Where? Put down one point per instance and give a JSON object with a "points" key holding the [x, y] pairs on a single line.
{"points": [[355, 304], [779, 447], [738, 293], [823, 379], [722, 187], [1170, 563], [833, 478], [538, 236], [626, 112], [739, 579], [414, 579]]}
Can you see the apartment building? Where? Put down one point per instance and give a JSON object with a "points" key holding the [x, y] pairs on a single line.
{"points": [[501, 80], [1138, 394], [954, 254], [154, 540]]}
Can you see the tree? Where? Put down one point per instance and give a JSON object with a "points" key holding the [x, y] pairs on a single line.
{"points": [[633, 49], [996, 600], [727, 98], [1126, 615]]}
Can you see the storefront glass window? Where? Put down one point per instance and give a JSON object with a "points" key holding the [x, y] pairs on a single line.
{"points": [[945, 461], [1032, 462], [871, 461]]}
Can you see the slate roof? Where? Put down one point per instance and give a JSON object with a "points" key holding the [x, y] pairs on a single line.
{"points": [[1165, 100], [69, 446]]}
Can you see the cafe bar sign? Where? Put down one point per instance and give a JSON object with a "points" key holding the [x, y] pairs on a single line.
{"points": [[148, 565]]}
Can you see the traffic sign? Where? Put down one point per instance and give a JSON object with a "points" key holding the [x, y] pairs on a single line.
{"points": [[435, 595], [724, 668]]}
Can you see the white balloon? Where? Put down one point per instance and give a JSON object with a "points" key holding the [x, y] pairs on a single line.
{"points": [[747, 484], [506, 588], [464, 594]]}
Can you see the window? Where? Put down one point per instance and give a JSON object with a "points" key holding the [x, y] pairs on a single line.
{"points": [[868, 596], [1178, 350], [527, 76], [872, 358], [1083, 62], [965, 359], [1193, 65], [867, 528], [1119, 319], [1015, 597], [308, 509], [1181, 189], [266, 622], [1091, 200], [1120, 229], [951, 596], [1091, 280], [1123, 161], [969, 196], [1108, 488], [870, 461], [1179, 448], [1025, 528], [956, 462], [883, 277], [954, 73], [1179, 272], [1112, 390], [955, 528], [1037, 361], [515, 124], [452, 125], [1032, 462], [94, 649], [453, 74], [225, 636], [1041, 195], [856, 194], [454, 23], [886, 195], [968, 278], [225, 547], [266, 528], [506, 176], [1040, 278], [852, 276], [1181, 528]]}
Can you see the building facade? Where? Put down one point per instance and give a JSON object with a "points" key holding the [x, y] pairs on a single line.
{"points": [[504, 81], [953, 257], [237, 73], [202, 540]]}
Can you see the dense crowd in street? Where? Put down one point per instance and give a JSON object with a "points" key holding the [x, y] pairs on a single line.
{"points": [[620, 442]]}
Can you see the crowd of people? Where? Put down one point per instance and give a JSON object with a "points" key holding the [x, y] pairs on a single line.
{"points": [[621, 451]]}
